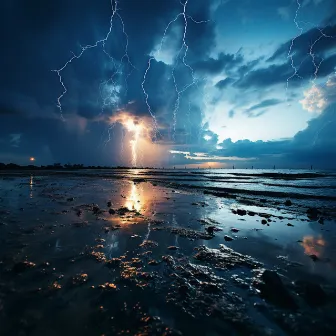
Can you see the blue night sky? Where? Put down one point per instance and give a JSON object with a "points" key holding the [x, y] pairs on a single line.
{"points": [[211, 82]]}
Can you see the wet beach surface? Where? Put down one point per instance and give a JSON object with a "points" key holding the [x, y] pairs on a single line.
{"points": [[158, 252]]}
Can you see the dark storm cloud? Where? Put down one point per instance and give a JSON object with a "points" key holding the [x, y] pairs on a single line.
{"points": [[242, 70], [303, 61], [314, 145], [38, 36], [5, 110], [263, 104], [276, 74], [224, 83], [41, 36], [215, 66], [303, 43]]}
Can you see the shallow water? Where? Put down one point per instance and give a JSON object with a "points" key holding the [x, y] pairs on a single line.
{"points": [[97, 273]]}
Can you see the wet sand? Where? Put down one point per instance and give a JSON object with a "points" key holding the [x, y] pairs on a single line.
{"points": [[142, 253]]}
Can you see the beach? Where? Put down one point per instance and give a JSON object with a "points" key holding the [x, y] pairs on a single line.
{"points": [[168, 252]]}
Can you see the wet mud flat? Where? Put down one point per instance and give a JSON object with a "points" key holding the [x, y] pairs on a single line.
{"points": [[133, 255]]}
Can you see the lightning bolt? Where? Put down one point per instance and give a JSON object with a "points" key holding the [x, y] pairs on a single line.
{"points": [[311, 50], [290, 55], [108, 96], [184, 46]]}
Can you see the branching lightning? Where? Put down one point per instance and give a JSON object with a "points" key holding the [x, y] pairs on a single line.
{"points": [[184, 46], [290, 55], [108, 96], [311, 50]]}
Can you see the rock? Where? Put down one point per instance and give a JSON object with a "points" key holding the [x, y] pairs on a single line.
{"points": [[173, 248], [264, 221], [70, 199], [273, 290], [312, 213], [314, 257], [210, 229], [79, 279], [234, 230], [122, 211], [228, 238], [288, 202], [264, 215], [289, 224], [109, 204], [95, 209], [251, 213], [168, 259], [312, 293], [149, 244], [111, 212], [153, 263], [241, 212], [191, 234]]}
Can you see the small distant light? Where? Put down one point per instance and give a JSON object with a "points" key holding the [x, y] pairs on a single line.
{"points": [[32, 159]]}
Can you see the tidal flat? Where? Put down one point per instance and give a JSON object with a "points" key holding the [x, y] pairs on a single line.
{"points": [[167, 252]]}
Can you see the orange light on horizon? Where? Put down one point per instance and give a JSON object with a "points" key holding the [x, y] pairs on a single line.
{"points": [[32, 159]]}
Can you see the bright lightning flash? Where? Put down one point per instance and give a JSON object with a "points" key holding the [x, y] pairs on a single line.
{"points": [[138, 129], [135, 128]]}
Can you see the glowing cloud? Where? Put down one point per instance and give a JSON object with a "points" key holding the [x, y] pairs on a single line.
{"points": [[206, 157], [317, 98], [314, 100]]}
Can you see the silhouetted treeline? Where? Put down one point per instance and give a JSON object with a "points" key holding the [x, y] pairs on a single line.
{"points": [[58, 166]]}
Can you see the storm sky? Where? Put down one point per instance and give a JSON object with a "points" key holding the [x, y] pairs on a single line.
{"points": [[216, 82]]}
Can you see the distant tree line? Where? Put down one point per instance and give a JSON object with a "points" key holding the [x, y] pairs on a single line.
{"points": [[59, 166]]}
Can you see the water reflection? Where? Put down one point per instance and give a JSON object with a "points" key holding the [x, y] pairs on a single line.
{"points": [[135, 199], [31, 183], [313, 245]]}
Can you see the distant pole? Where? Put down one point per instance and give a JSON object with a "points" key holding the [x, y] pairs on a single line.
{"points": [[274, 167], [252, 167], [232, 167], [311, 167], [174, 167]]}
